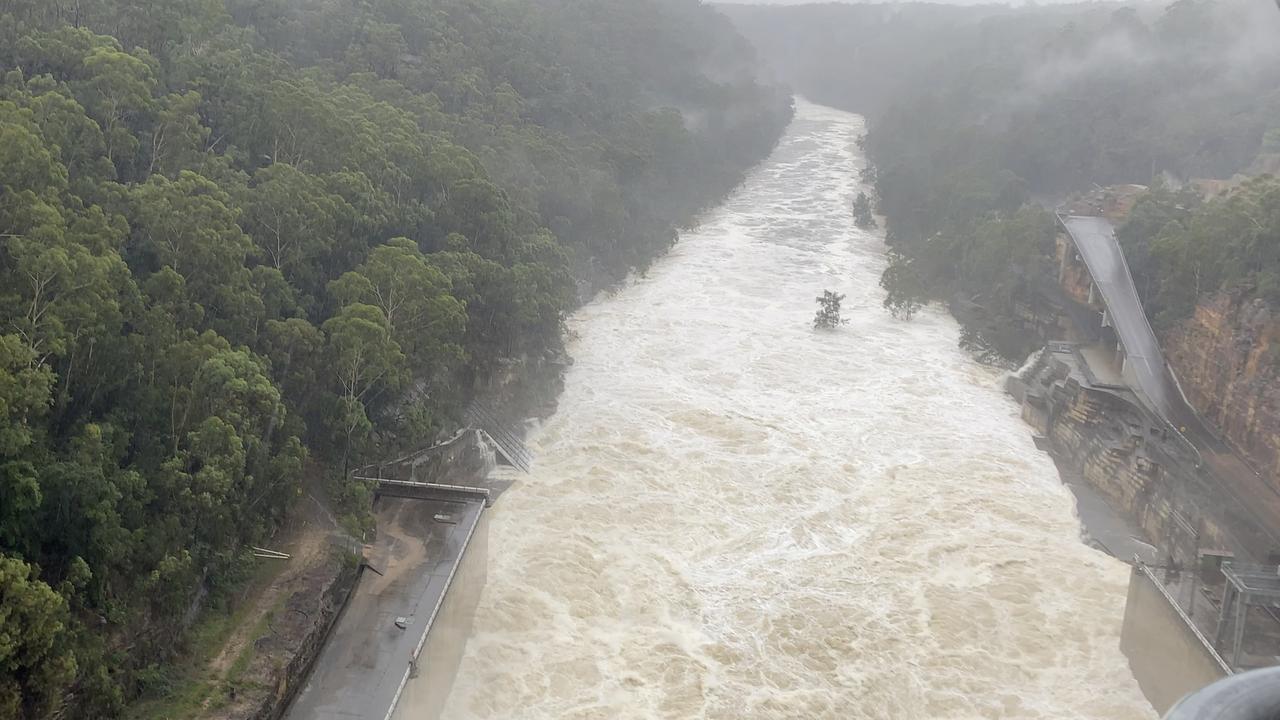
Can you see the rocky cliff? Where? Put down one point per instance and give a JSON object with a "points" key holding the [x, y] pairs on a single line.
{"points": [[1111, 442], [1227, 359]]}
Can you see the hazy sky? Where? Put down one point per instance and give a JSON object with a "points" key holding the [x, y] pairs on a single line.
{"points": [[943, 2]]}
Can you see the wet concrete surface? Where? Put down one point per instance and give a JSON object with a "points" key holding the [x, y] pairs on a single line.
{"points": [[1095, 239], [1102, 366], [367, 657], [1106, 528]]}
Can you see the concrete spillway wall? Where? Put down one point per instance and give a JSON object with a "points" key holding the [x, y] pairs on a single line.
{"points": [[319, 614], [392, 646], [436, 667], [1168, 657], [396, 647]]}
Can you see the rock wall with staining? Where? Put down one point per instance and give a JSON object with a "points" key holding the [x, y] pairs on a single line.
{"points": [[285, 656], [1122, 451], [1227, 358], [1073, 277]]}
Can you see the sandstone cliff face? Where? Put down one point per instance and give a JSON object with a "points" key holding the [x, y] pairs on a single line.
{"points": [[1072, 276], [1112, 443], [1227, 360]]}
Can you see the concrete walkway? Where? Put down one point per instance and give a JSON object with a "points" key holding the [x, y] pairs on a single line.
{"points": [[1102, 366], [1095, 238]]}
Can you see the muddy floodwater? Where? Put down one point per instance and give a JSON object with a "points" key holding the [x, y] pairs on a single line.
{"points": [[735, 516]]}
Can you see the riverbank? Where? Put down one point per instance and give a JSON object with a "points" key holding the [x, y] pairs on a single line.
{"points": [[245, 663], [714, 529], [399, 639], [1110, 447]]}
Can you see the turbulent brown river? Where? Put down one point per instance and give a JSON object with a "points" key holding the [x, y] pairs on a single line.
{"points": [[733, 515]]}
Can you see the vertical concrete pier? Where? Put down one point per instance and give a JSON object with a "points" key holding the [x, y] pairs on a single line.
{"points": [[1168, 655]]}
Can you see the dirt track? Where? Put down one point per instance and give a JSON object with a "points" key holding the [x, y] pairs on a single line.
{"points": [[309, 540]]}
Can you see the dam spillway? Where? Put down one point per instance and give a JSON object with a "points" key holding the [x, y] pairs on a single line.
{"points": [[412, 609], [733, 515]]}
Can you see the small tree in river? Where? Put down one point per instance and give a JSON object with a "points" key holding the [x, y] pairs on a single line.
{"points": [[862, 216], [828, 311]]}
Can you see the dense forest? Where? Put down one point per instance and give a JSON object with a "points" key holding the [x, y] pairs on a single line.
{"points": [[980, 117], [243, 239], [1181, 247]]}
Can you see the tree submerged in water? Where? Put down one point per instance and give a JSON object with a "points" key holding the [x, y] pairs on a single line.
{"points": [[828, 316], [862, 216]]}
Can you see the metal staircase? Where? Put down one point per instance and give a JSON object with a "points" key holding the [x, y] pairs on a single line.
{"points": [[506, 442]]}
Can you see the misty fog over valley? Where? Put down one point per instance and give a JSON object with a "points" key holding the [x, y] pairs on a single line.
{"points": [[638, 359]]}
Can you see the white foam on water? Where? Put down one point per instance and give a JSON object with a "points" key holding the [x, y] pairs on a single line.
{"points": [[733, 515]]}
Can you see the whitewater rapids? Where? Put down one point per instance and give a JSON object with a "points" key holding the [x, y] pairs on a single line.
{"points": [[733, 515]]}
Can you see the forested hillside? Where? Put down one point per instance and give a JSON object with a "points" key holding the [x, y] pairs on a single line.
{"points": [[237, 235], [981, 116], [1182, 248]]}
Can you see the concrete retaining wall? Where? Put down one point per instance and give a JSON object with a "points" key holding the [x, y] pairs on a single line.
{"points": [[327, 611], [1167, 656]]}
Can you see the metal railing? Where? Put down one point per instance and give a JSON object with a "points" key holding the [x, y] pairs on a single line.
{"points": [[509, 445]]}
